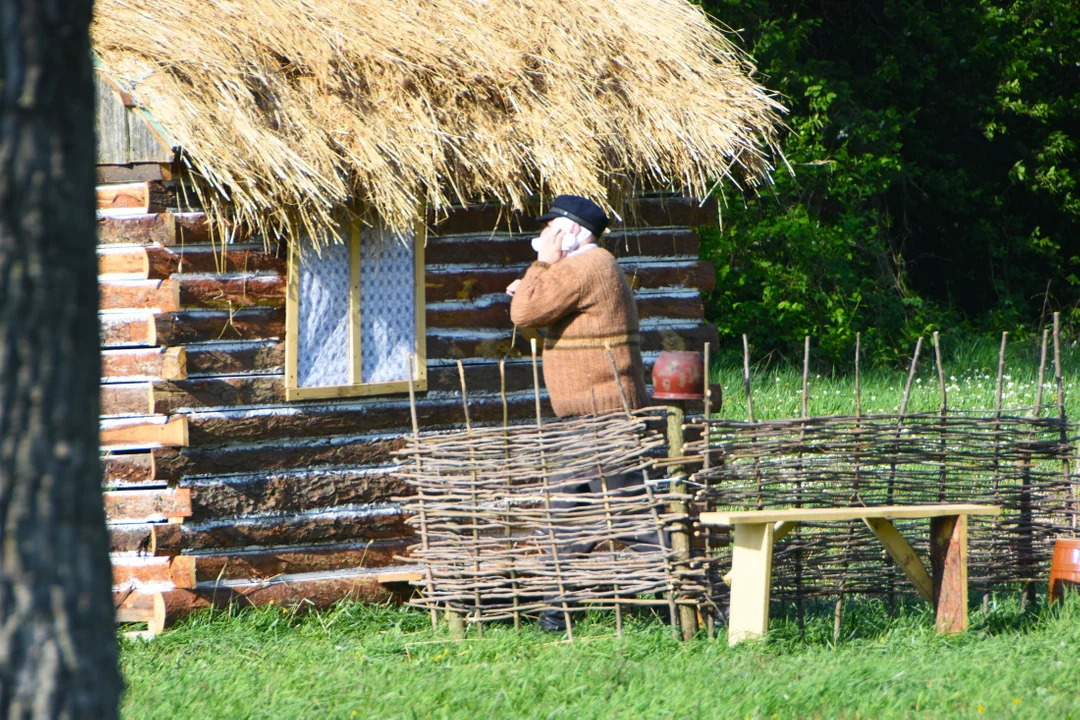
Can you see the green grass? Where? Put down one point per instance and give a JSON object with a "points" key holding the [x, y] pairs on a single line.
{"points": [[364, 661], [970, 370]]}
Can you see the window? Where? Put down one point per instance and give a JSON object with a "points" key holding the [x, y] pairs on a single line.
{"points": [[354, 315]]}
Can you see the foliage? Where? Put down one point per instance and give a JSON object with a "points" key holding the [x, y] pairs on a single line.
{"points": [[364, 661], [933, 146]]}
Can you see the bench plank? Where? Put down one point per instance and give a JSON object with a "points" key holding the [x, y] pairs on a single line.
{"points": [[742, 517], [752, 577], [948, 560]]}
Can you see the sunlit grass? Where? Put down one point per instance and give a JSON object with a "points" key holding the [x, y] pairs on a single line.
{"points": [[364, 661], [970, 371]]}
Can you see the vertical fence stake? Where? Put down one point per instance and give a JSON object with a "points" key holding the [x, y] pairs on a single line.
{"points": [[547, 494], [607, 516], [892, 468], [509, 534], [800, 608], [706, 463], [750, 417], [476, 501], [996, 483], [838, 611], [1060, 380], [424, 543], [680, 537], [1027, 536]]}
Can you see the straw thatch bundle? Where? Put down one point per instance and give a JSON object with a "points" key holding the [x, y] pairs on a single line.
{"points": [[291, 108]]}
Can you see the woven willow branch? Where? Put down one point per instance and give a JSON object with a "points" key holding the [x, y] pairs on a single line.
{"points": [[981, 457], [493, 500]]}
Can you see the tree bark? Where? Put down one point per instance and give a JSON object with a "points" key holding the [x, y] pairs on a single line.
{"points": [[57, 633]]}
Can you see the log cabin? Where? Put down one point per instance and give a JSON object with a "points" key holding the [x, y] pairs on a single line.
{"points": [[289, 213]]}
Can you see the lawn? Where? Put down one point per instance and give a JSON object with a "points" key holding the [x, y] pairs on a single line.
{"points": [[365, 661]]}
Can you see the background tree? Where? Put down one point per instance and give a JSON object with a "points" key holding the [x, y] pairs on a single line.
{"points": [[57, 632], [935, 153]]}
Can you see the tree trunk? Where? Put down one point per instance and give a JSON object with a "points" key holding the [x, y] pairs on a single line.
{"points": [[57, 632]]}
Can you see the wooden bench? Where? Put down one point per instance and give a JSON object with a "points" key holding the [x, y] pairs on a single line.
{"points": [[757, 530]]}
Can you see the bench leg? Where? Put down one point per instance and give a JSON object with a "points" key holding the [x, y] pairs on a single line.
{"points": [[751, 573], [948, 559]]}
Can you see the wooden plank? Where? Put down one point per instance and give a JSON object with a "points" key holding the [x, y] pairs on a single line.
{"points": [[146, 142], [401, 576], [123, 261], [266, 564], [420, 235], [283, 592], [157, 229], [356, 312], [110, 125], [281, 493], [495, 346], [153, 363], [128, 469], [172, 433], [130, 571], [172, 396], [486, 249], [130, 538], [151, 229], [163, 262], [455, 284], [135, 172], [264, 390], [638, 213], [157, 295], [231, 293], [127, 399], [904, 555], [236, 359], [219, 325], [845, 513], [172, 538], [173, 464], [135, 330], [124, 196], [782, 528], [751, 576], [948, 559], [147, 505], [496, 314], [637, 242], [134, 615], [329, 420]]}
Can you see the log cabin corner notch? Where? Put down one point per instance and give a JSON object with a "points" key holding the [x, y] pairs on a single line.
{"points": [[348, 329]]}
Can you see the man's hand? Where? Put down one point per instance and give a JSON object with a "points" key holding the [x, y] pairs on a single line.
{"points": [[551, 242], [512, 287]]}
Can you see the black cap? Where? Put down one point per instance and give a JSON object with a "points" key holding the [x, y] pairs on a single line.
{"points": [[581, 210]]}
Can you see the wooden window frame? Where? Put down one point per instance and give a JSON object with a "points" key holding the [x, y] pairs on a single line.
{"points": [[356, 389]]}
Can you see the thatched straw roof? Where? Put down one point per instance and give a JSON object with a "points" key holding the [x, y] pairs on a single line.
{"points": [[290, 108]]}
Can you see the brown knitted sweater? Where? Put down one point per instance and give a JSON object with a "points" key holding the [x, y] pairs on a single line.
{"points": [[585, 302]]}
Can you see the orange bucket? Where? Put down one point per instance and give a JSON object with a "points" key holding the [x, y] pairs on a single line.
{"points": [[1065, 567]]}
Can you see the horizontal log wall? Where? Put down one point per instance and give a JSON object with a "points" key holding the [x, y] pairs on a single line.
{"points": [[205, 459]]}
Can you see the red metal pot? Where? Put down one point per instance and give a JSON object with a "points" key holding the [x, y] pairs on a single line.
{"points": [[1064, 567], [678, 375]]}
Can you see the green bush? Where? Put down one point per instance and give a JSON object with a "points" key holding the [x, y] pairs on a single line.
{"points": [[935, 174]]}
